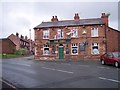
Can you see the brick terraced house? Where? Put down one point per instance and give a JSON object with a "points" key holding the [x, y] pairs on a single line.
{"points": [[22, 42], [7, 46], [75, 39]]}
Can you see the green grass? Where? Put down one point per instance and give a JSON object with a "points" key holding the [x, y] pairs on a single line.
{"points": [[8, 55]]}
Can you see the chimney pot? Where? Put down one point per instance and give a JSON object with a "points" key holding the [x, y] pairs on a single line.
{"points": [[76, 17], [52, 18]]}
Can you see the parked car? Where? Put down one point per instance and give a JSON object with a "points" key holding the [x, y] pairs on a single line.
{"points": [[111, 58]]}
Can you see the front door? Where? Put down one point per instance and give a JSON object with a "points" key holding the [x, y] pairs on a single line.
{"points": [[61, 52]]}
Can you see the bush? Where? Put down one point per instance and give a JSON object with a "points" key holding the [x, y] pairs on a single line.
{"points": [[21, 52]]}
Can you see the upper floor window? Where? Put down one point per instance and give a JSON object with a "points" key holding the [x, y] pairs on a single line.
{"points": [[59, 34], [45, 34], [94, 32], [74, 32]]}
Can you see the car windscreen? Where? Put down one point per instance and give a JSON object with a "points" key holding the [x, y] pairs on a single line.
{"points": [[116, 54]]}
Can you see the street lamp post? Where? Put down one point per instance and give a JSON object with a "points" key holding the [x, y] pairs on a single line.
{"points": [[30, 39]]}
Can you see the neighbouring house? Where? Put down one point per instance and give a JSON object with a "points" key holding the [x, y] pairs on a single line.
{"points": [[22, 42], [7, 46], [75, 39]]}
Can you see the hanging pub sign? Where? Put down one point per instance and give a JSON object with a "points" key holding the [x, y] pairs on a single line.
{"points": [[82, 46]]}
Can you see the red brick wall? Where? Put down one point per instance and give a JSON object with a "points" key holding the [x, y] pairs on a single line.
{"points": [[15, 40], [81, 38], [7, 46], [113, 40]]}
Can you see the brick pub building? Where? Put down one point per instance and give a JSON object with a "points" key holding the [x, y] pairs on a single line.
{"points": [[75, 39]]}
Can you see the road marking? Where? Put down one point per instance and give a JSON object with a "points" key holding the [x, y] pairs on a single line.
{"points": [[66, 64], [58, 70], [109, 79], [103, 67], [8, 84], [84, 65], [21, 64]]}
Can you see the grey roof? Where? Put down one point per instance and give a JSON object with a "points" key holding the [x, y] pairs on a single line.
{"points": [[70, 23]]}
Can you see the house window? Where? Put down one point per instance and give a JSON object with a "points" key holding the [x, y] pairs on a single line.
{"points": [[82, 46], [94, 32], [60, 34], [74, 32], [67, 49], [74, 49], [46, 34], [46, 50], [95, 49], [53, 49]]}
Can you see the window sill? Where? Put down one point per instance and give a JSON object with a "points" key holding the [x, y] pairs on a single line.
{"points": [[95, 54], [74, 54], [74, 37], [45, 38], [95, 36]]}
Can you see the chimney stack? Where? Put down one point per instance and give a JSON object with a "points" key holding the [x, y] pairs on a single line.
{"points": [[25, 37], [17, 34], [54, 18], [21, 36], [105, 18], [76, 17]]}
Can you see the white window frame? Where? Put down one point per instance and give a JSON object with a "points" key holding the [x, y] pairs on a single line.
{"points": [[94, 32], [46, 34], [95, 44], [46, 46], [74, 45], [74, 32], [60, 34]]}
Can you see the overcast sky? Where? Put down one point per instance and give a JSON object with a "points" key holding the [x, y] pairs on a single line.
{"points": [[22, 16]]}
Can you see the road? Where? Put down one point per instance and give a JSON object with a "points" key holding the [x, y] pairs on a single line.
{"points": [[28, 73]]}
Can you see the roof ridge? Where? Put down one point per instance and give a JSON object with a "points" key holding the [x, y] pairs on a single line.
{"points": [[72, 20]]}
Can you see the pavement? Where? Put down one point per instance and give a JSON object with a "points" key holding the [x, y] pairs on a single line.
{"points": [[28, 73]]}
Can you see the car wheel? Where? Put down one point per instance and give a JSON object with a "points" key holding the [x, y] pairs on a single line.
{"points": [[102, 62], [116, 64]]}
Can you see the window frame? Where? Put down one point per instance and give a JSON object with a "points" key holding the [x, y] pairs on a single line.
{"points": [[75, 45], [93, 32], [61, 33], [76, 34], [46, 32], [92, 49], [46, 46]]}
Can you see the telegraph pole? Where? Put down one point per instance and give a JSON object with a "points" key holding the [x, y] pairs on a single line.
{"points": [[30, 39]]}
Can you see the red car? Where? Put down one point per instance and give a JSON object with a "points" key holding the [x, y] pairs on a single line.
{"points": [[111, 58]]}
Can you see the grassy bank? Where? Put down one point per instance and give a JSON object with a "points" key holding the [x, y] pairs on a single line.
{"points": [[9, 55]]}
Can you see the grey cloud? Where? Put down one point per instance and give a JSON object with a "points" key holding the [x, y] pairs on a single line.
{"points": [[45, 10]]}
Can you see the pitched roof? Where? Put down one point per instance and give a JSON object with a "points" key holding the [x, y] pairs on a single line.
{"points": [[6, 39], [70, 23]]}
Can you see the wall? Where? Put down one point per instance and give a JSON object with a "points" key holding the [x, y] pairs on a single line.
{"points": [[8, 46], [81, 38], [113, 40]]}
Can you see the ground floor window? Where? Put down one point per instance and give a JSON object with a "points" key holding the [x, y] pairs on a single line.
{"points": [[67, 49], [74, 49], [82, 46], [45, 49], [95, 48], [53, 49]]}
